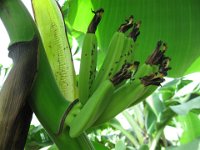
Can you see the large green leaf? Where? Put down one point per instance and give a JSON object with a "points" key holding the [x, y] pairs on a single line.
{"points": [[176, 22]]}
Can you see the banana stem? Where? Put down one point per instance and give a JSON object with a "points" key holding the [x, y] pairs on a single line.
{"points": [[15, 112]]}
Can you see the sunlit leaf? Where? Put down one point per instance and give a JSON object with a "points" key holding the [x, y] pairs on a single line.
{"points": [[190, 124], [182, 84], [176, 22], [184, 108]]}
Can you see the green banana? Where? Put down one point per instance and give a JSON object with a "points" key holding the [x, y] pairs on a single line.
{"points": [[128, 46], [126, 95], [120, 100], [113, 56], [53, 34], [132, 39], [97, 102], [147, 78], [157, 62], [88, 63], [127, 55], [147, 92], [114, 51], [90, 110], [144, 69]]}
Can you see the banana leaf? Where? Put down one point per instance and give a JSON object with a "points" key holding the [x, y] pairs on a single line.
{"points": [[175, 22]]}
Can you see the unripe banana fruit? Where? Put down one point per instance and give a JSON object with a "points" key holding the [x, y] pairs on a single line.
{"points": [[88, 64], [91, 110], [147, 78], [112, 62], [96, 104]]}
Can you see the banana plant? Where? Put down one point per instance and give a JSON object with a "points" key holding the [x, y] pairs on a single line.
{"points": [[66, 110]]}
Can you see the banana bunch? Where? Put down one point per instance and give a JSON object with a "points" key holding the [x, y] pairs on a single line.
{"points": [[121, 82]]}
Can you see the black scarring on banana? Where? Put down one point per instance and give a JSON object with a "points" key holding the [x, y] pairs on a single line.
{"points": [[133, 36], [134, 91], [126, 95], [128, 44], [159, 63], [113, 56], [88, 63], [127, 53], [135, 31], [98, 101], [153, 63]]}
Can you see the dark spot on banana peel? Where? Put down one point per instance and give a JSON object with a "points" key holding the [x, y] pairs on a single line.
{"points": [[158, 58], [158, 55], [125, 73], [164, 66], [135, 31], [153, 79]]}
